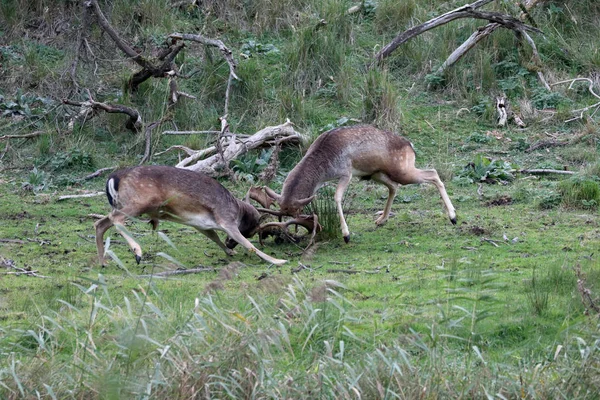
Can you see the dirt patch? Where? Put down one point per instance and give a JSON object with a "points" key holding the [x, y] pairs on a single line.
{"points": [[503, 200]]}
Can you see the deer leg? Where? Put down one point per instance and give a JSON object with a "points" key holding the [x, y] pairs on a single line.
{"points": [[118, 217], [212, 235], [101, 226], [235, 234], [431, 176], [392, 187], [339, 195]]}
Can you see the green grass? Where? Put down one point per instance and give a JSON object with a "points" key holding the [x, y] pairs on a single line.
{"points": [[416, 308]]}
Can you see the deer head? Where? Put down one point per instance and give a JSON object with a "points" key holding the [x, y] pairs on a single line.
{"points": [[178, 195]]}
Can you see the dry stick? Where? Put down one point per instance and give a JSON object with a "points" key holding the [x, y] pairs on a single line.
{"points": [[590, 89], [536, 58], [191, 132], [26, 136], [148, 134], [98, 173], [180, 272], [77, 196], [134, 123], [543, 171], [18, 241]]}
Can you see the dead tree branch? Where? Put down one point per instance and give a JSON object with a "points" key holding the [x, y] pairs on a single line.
{"points": [[426, 26], [227, 54], [216, 164], [496, 20], [157, 68], [580, 111], [89, 108], [26, 136], [79, 196], [180, 272], [98, 173], [475, 38]]}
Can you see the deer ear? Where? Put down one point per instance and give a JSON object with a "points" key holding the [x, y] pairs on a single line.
{"points": [[272, 194], [302, 202]]}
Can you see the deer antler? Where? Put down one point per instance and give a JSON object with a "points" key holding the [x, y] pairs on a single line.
{"points": [[310, 222], [258, 194]]}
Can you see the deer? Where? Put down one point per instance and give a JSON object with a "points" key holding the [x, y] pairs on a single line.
{"points": [[179, 195], [363, 151]]}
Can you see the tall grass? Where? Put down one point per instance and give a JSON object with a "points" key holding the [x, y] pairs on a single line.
{"points": [[302, 343]]}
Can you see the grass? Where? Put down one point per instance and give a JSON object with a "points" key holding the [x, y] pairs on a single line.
{"points": [[494, 307]]}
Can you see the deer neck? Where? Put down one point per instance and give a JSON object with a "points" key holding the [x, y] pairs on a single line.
{"points": [[304, 180]]}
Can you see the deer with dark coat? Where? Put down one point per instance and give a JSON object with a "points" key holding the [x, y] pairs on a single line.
{"points": [[178, 195], [362, 151]]}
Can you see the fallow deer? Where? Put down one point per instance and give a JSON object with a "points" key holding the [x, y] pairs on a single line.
{"points": [[363, 151], [178, 195]]}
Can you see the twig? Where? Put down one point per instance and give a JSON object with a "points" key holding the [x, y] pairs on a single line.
{"points": [[543, 171], [6, 263], [180, 272], [98, 173], [12, 241], [490, 241], [26, 136], [191, 132], [76, 196]]}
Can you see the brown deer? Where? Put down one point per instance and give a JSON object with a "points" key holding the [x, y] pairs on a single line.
{"points": [[178, 195], [363, 151]]}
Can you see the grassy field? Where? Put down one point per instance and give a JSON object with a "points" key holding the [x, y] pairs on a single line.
{"points": [[503, 305]]}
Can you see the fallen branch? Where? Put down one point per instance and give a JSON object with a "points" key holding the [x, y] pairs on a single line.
{"points": [[98, 173], [26, 136], [180, 272], [466, 11], [6, 263], [191, 132], [590, 89], [216, 164], [18, 241], [90, 107], [543, 171], [77, 196]]}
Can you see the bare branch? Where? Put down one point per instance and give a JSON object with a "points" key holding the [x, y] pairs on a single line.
{"points": [[466, 11], [26, 136], [98, 173], [78, 196], [215, 165]]}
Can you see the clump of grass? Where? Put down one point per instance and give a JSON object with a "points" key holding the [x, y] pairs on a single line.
{"points": [[580, 192], [537, 295], [380, 100], [325, 208]]}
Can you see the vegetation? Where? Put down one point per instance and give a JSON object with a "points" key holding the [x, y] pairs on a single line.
{"points": [[503, 305]]}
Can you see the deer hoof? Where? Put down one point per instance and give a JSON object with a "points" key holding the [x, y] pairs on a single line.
{"points": [[347, 239], [453, 220], [138, 259]]}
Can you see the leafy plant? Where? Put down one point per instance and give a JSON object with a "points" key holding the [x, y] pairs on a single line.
{"points": [[24, 104], [484, 169], [252, 47], [71, 159], [250, 165], [37, 181]]}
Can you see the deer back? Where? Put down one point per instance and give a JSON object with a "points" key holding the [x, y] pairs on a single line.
{"points": [[176, 194], [361, 150]]}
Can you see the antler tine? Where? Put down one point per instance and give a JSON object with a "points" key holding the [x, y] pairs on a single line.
{"points": [[307, 221], [258, 194]]}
